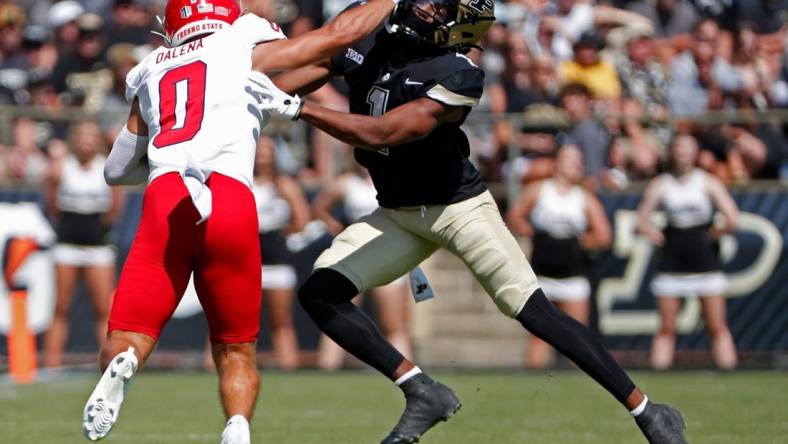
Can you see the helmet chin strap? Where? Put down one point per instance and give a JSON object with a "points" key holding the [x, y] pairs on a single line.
{"points": [[161, 34], [391, 28]]}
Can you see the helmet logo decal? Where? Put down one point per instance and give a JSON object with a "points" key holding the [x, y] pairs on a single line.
{"points": [[481, 6], [186, 19], [203, 6]]}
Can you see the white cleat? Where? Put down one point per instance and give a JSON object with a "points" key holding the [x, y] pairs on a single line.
{"points": [[103, 406], [236, 431]]}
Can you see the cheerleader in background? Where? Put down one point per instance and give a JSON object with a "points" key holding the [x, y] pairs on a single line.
{"points": [[690, 265], [392, 302], [565, 222], [83, 208], [282, 209]]}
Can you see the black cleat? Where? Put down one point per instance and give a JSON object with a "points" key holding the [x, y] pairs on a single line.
{"points": [[662, 424], [427, 403]]}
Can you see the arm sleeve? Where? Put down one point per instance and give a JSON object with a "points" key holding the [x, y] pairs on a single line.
{"points": [[252, 30], [126, 163], [462, 86]]}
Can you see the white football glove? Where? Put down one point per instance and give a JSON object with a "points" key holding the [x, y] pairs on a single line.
{"points": [[274, 99]]}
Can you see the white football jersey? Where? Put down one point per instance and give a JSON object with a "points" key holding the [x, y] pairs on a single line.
{"points": [[197, 104]]}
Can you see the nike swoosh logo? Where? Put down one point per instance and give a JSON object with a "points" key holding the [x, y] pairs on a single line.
{"points": [[408, 81]]}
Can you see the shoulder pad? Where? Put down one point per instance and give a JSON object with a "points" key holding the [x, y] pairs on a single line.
{"points": [[452, 79]]}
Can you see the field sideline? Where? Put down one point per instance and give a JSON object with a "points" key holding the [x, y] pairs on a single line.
{"points": [[360, 407]]}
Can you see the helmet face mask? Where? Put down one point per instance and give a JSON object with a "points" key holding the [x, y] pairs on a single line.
{"points": [[455, 25]]}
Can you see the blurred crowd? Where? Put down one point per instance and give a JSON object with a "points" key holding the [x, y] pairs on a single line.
{"points": [[625, 77], [618, 78]]}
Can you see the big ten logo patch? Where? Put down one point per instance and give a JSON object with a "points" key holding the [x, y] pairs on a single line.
{"points": [[355, 56]]}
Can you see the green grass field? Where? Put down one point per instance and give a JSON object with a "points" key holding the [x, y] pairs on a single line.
{"points": [[360, 407]]}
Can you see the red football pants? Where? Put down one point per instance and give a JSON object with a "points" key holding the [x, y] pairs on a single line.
{"points": [[223, 252]]}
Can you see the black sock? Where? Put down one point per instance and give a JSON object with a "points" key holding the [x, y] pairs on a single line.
{"points": [[326, 298], [577, 342]]}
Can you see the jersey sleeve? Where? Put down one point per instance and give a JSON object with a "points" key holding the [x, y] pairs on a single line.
{"points": [[252, 30], [455, 82], [134, 82]]}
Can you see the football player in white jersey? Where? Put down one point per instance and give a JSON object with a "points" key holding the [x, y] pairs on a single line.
{"points": [[195, 116]]}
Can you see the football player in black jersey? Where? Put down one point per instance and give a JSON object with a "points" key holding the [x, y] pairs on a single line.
{"points": [[411, 88]]}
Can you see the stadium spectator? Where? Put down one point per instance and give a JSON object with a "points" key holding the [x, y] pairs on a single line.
{"points": [[62, 19], [565, 222], [699, 77], [39, 51], [636, 150], [759, 144], [122, 57], [516, 78], [643, 77], [25, 162], [586, 131], [51, 134], [84, 209], [689, 265], [751, 66], [545, 85], [493, 58], [778, 91], [130, 22], [13, 64], [83, 73], [644, 82], [768, 16], [308, 16], [538, 141], [356, 193], [12, 20], [282, 209], [561, 23], [670, 17], [588, 69]]}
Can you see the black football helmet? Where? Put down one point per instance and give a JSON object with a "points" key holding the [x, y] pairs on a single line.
{"points": [[455, 25]]}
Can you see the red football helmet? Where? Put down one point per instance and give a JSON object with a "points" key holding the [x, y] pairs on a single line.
{"points": [[184, 19]]}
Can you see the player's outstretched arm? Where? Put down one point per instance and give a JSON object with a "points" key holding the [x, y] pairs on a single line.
{"points": [[412, 121], [304, 81], [324, 42], [408, 122]]}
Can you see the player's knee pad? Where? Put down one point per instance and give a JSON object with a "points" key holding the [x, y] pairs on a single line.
{"points": [[511, 299], [325, 287]]}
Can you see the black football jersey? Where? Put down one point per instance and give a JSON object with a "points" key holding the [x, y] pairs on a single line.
{"points": [[431, 171]]}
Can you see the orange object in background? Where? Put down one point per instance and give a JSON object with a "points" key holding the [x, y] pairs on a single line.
{"points": [[21, 341]]}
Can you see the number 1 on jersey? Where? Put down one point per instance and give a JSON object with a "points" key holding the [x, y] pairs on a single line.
{"points": [[181, 104], [377, 99]]}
